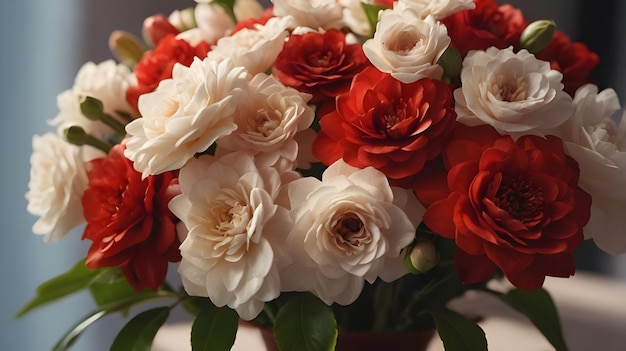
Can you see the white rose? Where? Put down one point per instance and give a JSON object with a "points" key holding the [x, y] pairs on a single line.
{"points": [[255, 49], [594, 140], [228, 207], [314, 14], [185, 115], [348, 228], [268, 123], [517, 94], [439, 9], [58, 178], [107, 82], [407, 46], [212, 23]]}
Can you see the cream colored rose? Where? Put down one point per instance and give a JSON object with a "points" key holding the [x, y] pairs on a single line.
{"points": [[58, 178], [185, 115], [227, 206], [407, 46], [107, 82], [267, 124], [355, 17], [514, 92], [598, 144], [314, 14], [348, 228], [439, 9], [255, 49]]}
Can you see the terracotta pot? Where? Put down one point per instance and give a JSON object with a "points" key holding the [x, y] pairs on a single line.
{"points": [[369, 341]]}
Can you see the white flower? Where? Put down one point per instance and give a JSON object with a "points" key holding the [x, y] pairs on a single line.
{"points": [[212, 22], [227, 206], [58, 178], [348, 228], [314, 14], [515, 93], [255, 49], [407, 46], [269, 121], [439, 9], [185, 115], [106, 82], [598, 144]]}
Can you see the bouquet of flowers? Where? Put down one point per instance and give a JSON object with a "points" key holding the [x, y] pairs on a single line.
{"points": [[326, 166]]}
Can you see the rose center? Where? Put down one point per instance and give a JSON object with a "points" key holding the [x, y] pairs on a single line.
{"points": [[521, 199], [389, 119], [320, 59], [265, 125], [510, 89], [349, 230], [403, 43]]}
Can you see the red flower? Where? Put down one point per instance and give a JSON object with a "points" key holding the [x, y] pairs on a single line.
{"points": [[157, 65], [322, 65], [486, 25], [574, 60], [250, 23], [384, 123], [515, 205], [128, 220]]}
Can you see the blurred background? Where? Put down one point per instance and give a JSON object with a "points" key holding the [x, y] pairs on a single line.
{"points": [[44, 43]]}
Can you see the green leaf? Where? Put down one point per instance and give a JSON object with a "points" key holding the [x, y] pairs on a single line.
{"points": [[111, 286], [457, 332], [305, 323], [538, 306], [371, 12], [214, 329], [74, 280], [139, 332], [70, 337]]}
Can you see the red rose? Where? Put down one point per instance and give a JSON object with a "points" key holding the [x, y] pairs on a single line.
{"points": [[157, 65], [485, 26], [128, 220], [574, 60], [513, 205], [384, 123], [321, 64]]}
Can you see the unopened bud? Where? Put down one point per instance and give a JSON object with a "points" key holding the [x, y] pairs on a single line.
{"points": [[76, 135], [422, 257], [537, 36], [183, 20], [91, 108], [157, 27], [126, 47]]}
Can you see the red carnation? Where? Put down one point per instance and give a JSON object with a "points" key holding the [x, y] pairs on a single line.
{"points": [[485, 26], [392, 126], [513, 205], [157, 64], [128, 220], [573, 59], [321, 64]]}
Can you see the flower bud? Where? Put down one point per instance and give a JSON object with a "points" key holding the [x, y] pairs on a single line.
{"points": [[537, 36], [157, 27], [126, 47], [91, 108], [76, 135], [183, 20], [422, 257]]}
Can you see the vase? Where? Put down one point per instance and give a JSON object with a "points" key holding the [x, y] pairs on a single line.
{"points": [[368, 340]]}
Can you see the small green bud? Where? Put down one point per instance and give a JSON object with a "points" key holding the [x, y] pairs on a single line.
{"points": [[126, 47], [76, 135], [91, 108], [422, 257], [537, 36]]}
